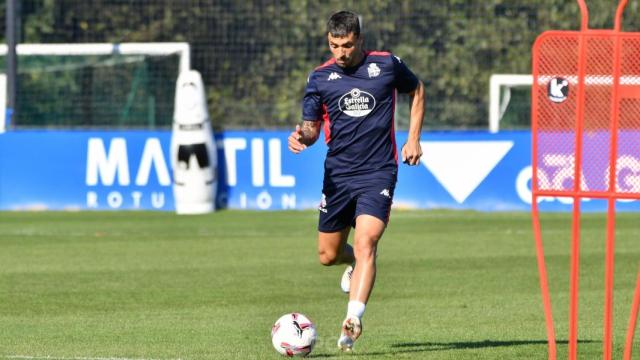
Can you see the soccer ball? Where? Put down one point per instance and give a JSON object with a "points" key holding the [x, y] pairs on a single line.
{"points": [[293, 335]]}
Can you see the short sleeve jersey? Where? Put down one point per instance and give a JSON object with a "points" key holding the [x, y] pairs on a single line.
{"points": [[357, 107]]}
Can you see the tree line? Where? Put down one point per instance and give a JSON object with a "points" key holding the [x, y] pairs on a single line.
{"points": [[255, 56]]}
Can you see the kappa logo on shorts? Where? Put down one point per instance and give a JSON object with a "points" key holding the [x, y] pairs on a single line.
{"points": [[357, 103], [386, 193]]}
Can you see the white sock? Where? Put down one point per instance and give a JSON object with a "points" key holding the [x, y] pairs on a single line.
{"points": [[355, 308]]}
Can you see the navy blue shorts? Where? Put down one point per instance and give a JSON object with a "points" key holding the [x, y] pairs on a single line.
{"points": [[343, 201]]}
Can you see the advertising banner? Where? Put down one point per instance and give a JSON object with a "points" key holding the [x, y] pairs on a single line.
{"points": [[86, 170]]}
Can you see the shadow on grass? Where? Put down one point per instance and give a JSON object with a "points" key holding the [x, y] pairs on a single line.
{"points": [[436, 346], [415, 347]]}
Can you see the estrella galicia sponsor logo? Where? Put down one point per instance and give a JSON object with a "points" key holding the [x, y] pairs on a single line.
{"points": [[558, 89], [357, 103]]}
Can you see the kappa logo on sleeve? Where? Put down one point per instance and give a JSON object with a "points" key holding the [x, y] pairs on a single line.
{"points": [[334, 76]]}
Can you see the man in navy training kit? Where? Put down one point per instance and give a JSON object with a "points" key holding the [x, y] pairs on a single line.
{"points": [[353, 97]]}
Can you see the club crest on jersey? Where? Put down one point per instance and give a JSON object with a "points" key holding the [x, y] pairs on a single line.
{"points": [[373, 70], [357, 103]]}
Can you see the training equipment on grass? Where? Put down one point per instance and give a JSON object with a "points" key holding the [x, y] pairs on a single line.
{"points": [[293, 335], [586, 130], [193, 150]]}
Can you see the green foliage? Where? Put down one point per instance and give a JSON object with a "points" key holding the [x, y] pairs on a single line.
{"points": [[255, 55]]}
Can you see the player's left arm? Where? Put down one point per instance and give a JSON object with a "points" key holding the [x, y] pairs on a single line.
{"points": [[411, 150]]}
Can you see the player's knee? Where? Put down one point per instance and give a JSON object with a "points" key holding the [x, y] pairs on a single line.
{"points": [[363, 254], [364, 248], [328, 258]]}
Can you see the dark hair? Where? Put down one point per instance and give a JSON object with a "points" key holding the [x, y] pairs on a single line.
{"points": [[343, 23]]}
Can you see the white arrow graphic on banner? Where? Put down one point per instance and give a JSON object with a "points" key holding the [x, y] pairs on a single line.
{"points": [[461, 166]]}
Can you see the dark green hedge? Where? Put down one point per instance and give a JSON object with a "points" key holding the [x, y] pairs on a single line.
{"points": [[255, 55]]}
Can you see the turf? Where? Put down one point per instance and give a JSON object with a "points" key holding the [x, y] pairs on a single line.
{"points": [[151, 285]]}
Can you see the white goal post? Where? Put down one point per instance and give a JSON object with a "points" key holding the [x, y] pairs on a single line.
{"points": [[498, 105], [179, 48]]}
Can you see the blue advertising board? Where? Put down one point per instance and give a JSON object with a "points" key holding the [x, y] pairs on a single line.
{"points": [[69, 170], [111, 170]]}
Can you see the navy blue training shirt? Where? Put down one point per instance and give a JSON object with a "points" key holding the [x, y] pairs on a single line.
{"points": [[357, 106]]}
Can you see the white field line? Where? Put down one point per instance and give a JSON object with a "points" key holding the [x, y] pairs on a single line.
{"points": [[49, 357]]}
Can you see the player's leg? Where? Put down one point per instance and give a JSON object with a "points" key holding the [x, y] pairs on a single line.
{"points": [[333, 248], [369, 230], [337, 210], [372, 213]]}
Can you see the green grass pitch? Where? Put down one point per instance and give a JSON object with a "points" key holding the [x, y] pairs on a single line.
{"points": [[150, 285]]}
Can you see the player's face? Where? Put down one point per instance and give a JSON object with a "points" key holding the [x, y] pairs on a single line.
{"points": [[346, 49]]}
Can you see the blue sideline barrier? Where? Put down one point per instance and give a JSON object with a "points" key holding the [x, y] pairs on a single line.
{"points": [[85, 170]]}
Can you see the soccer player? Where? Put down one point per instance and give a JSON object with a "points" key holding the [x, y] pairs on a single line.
{"points": [[353, 96]]}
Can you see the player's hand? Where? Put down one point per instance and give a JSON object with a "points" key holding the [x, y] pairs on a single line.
{"points": [[295, 146], [411, 153]]}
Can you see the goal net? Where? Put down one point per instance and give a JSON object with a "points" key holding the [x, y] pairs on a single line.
{"points": [[129, 85], [509, 101]]}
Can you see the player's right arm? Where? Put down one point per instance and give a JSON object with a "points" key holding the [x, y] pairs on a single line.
{"points": [[307, 133], [304, 135]]}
